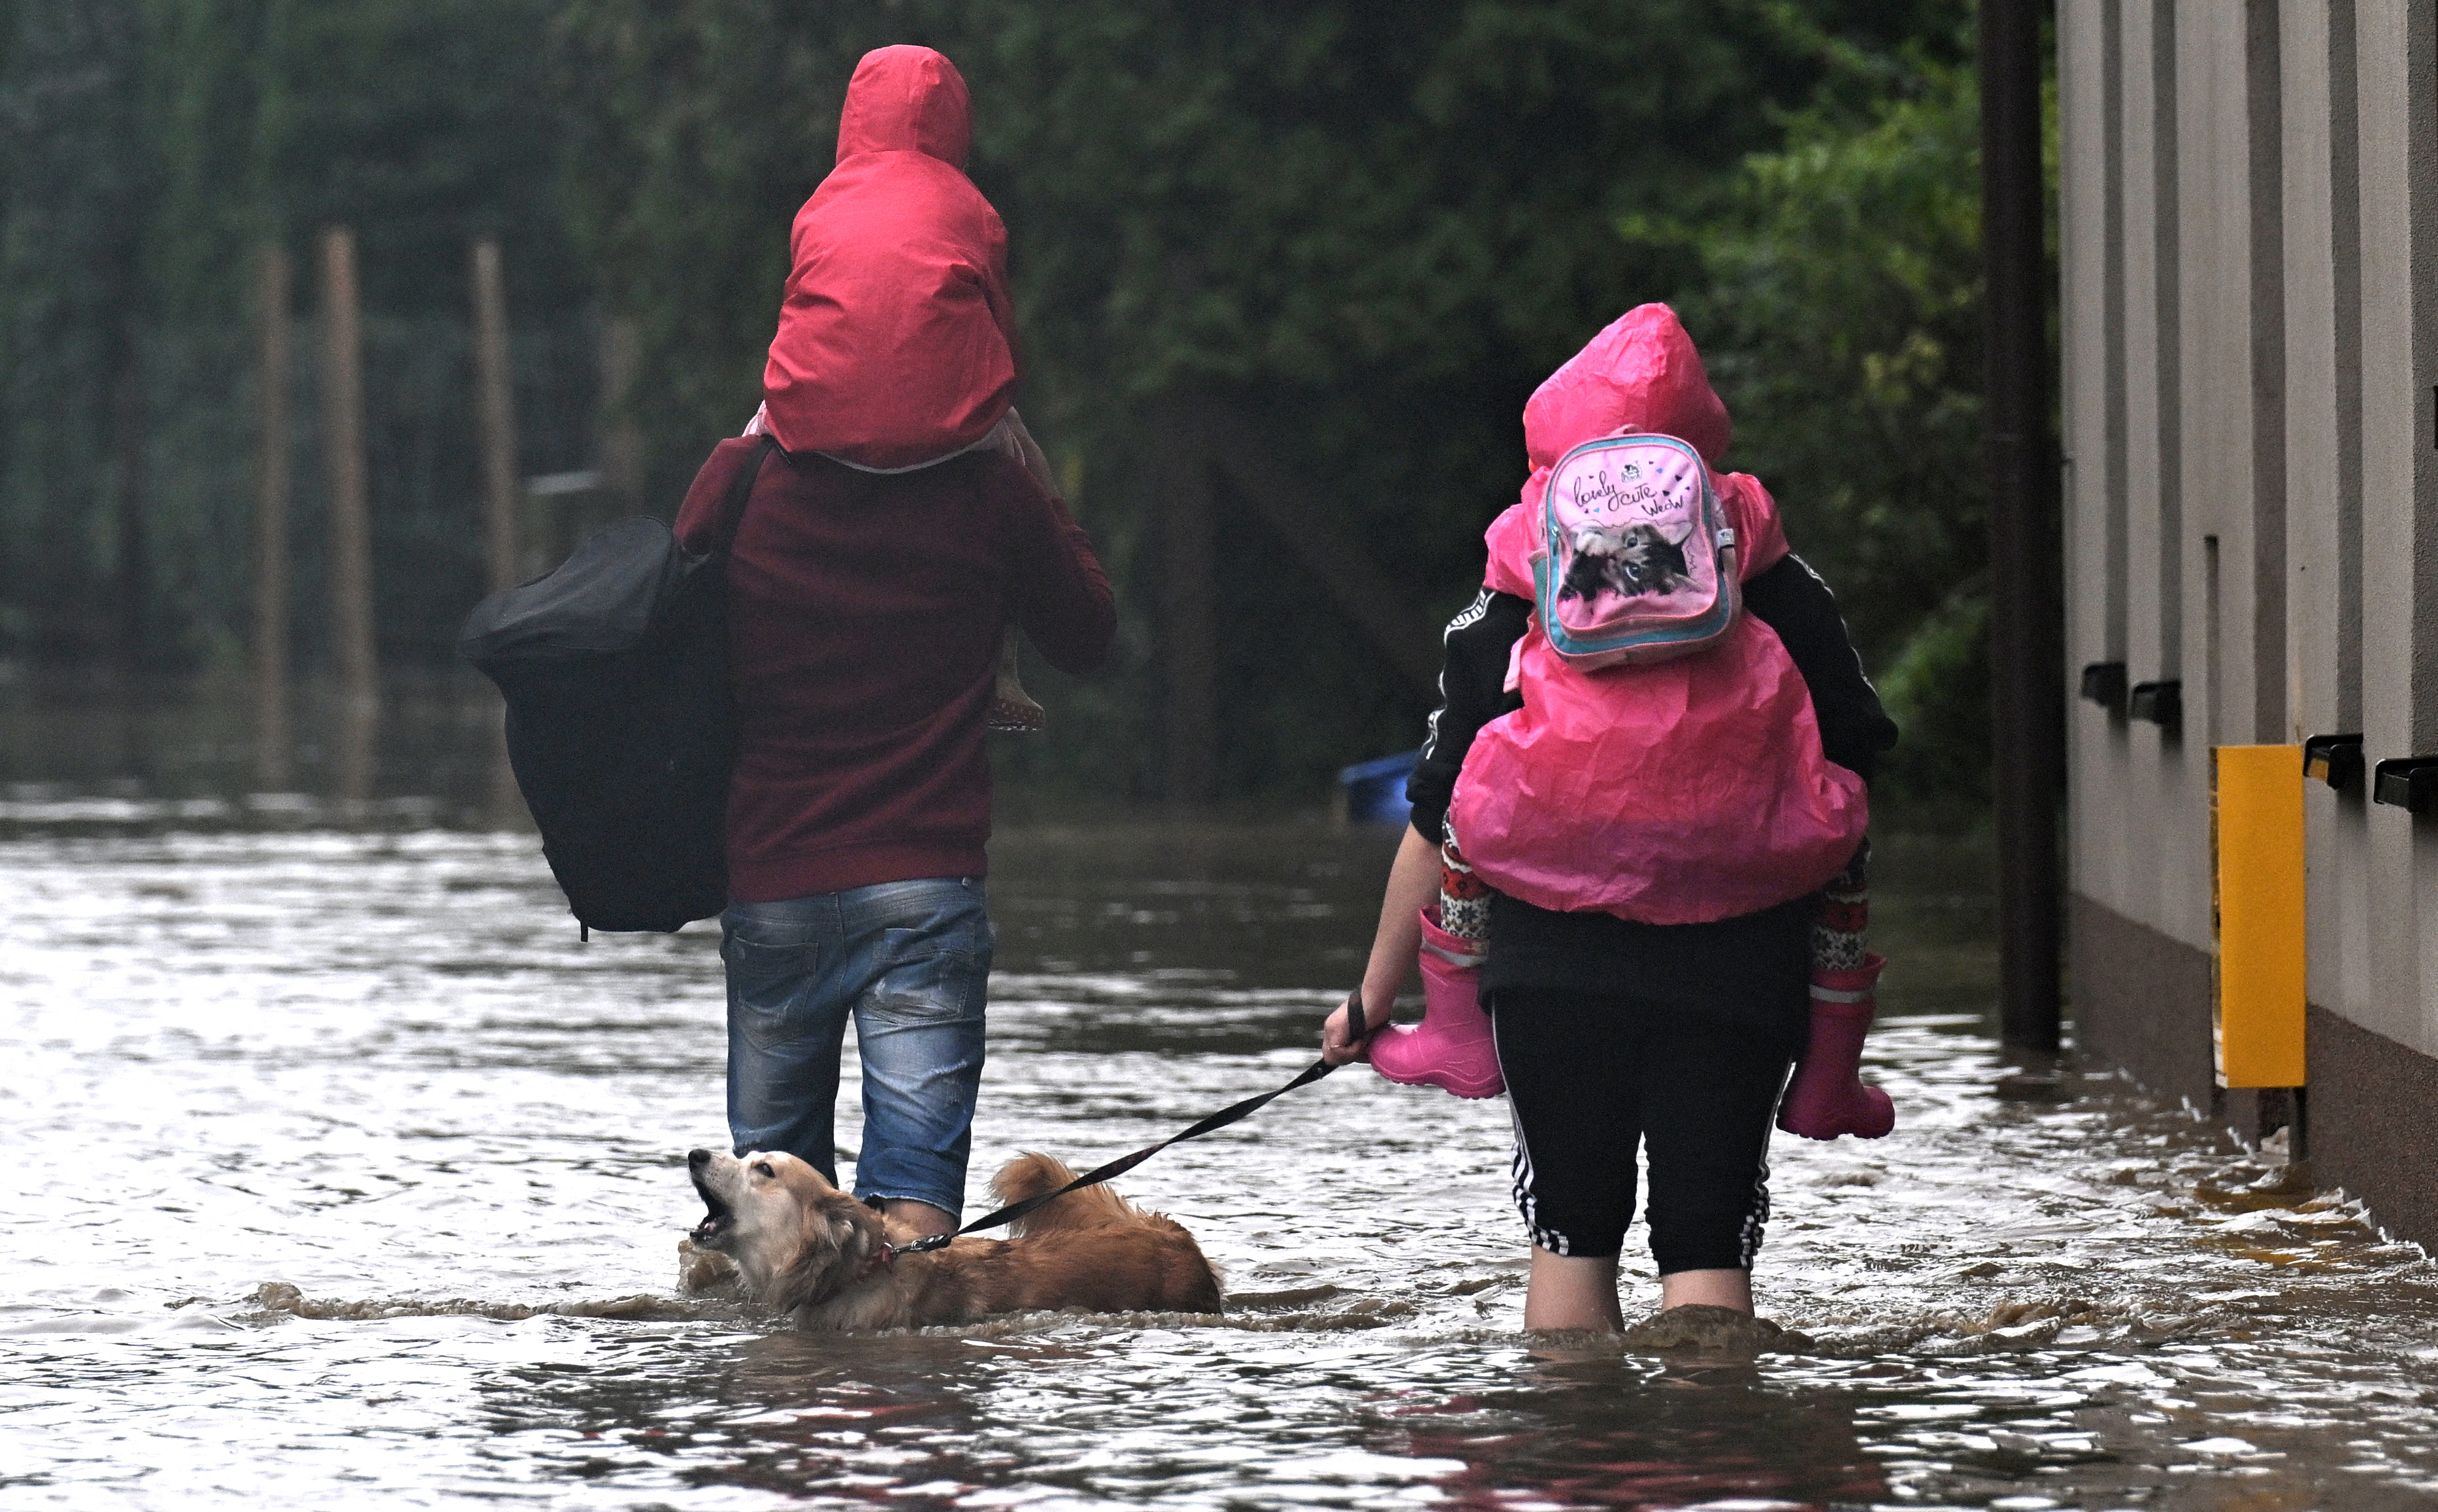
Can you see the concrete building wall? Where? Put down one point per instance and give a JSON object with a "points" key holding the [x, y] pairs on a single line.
{"points": [[2092, 377], [2250, 302]]}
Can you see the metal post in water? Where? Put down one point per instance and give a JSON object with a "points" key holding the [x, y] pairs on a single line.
{"points": [[271, 523], [496, 405], [2027, 633], [351, 540]]}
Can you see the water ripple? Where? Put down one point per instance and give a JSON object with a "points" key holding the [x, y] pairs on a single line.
{"points": [[341, 1169]]}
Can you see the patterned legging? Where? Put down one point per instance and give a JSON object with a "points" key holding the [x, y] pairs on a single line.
{"points": [[1838, 926]]}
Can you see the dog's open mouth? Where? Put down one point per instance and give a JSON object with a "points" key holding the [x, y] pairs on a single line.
{"points": [[717, 1219]]}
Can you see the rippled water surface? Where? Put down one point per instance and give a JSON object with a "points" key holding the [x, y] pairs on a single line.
{"points": [[339, 1173]]}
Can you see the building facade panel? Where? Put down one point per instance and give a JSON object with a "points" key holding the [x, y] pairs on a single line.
{"points": [[2394, 399], [2250, 265], [2320, 211], [2165, 766], [2214, 181], [2092, 411]]}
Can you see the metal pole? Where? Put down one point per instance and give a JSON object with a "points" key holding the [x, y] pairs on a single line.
{"points": [[2027, 633], [495, 397], [271, 525], [351, 558], [496, 404]]}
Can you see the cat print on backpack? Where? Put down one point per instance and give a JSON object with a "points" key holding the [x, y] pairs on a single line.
{"points": [[1636, 561], [1627, 562]]}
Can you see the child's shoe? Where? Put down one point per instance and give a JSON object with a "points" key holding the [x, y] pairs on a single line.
{"points": [[1826, 1097], [1452, 1047], [1011, 709]]}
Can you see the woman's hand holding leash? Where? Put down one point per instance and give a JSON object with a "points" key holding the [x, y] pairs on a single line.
{"points": [[1346, 1034], [1413, 885]]}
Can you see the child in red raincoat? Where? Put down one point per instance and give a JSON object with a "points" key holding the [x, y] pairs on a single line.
{"points": [[897, 343], [880, 564], [1650, 874]]}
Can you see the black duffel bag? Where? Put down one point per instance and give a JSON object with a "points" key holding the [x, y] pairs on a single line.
{"points": [[621, 719]]}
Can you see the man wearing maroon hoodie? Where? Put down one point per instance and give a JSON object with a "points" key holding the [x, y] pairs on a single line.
{"points": [[882, 553]]}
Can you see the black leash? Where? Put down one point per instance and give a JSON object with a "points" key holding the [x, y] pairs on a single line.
{"points": [[1119, 1167]]}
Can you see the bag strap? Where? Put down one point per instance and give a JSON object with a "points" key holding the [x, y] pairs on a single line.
{"points": [[740, 491]]}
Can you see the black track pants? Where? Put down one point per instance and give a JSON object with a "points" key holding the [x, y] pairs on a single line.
{"points": [[1589, 1077]]}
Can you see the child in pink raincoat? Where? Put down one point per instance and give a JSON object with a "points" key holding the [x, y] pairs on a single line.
{"points": [[1650, 874]]}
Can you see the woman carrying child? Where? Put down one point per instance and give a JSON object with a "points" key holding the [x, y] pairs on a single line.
{"points": [[1650, 871]]}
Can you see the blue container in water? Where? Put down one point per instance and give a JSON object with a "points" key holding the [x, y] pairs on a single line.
{"points": [[1374, 792]]}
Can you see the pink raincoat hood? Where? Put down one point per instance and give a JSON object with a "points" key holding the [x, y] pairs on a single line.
{"points": [[1640, 374], [896, 341], [1675, 793]]}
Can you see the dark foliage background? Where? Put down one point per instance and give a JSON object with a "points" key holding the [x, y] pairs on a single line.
{"points": [[1365, 230]]}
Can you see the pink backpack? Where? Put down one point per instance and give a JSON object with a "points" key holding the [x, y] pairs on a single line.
{"points": [[1673, 793], [1636, 561]]}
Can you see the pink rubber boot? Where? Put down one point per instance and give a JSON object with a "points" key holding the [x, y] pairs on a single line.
{"points": [[1451, 1048], [1827, 1098]]}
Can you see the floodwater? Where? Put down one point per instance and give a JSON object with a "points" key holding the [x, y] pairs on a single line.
{"points": [[341, 1174]]}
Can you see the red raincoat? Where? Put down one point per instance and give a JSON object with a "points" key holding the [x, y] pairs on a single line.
{"points": [[896, 341], [1680, 792]]}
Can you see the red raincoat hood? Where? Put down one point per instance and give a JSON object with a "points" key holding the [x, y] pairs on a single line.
{"points": [[1640, 374], [906, 100], [896, 341]]}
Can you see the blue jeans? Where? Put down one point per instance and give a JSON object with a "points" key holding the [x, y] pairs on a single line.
{"points": [[910, 962]]}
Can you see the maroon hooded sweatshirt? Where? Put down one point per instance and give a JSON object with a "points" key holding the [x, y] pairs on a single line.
{"points": [[866, 608]]}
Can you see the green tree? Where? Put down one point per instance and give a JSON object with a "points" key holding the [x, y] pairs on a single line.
{"points": [[1363, 232], [1368, 230], [150, 145], [74, 180]]}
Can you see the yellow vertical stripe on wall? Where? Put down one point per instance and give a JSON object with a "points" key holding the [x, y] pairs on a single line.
{"points": [[2256, 913]]}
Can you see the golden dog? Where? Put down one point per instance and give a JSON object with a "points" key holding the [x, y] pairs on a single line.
{"points": [[806, 1247]]}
